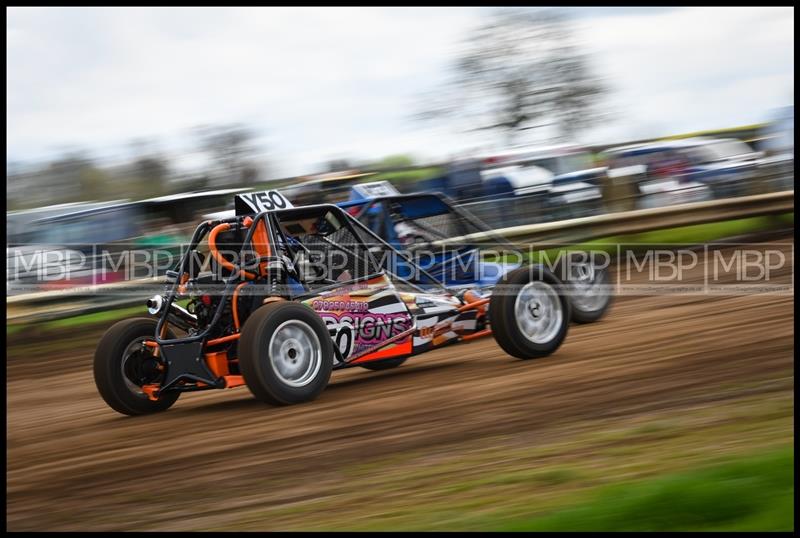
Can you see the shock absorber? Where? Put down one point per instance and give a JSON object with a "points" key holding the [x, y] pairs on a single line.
{"points": [[277, 272]]}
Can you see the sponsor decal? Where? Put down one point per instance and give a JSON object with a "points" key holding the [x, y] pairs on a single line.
{"points": [[375, 189], [355, 332], [341, 306]]}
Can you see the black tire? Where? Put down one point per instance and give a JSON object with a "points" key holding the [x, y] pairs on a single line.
{"points": [[580, 312], [502, 316], [256, 363], [109, 363], [385, 364]]}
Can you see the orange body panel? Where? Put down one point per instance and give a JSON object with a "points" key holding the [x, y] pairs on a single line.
{"points": [[218, 363], [400, 349], [232, 381]]}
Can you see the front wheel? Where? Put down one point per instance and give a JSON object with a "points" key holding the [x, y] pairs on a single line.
{"points": [[123, 364], [285, 353], [529, 312]]}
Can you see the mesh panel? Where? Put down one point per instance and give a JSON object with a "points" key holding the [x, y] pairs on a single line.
{"points": [[385, 257], [338, 255], [442, 226]]}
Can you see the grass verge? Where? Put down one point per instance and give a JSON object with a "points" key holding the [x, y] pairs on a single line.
{"points": [[685, 235], [754, 493], [104, 317], [728, 466]]}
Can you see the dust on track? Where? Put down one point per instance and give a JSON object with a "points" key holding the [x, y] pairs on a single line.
{"points": [[75, 464]]}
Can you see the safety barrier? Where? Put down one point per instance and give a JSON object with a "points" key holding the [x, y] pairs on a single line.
{"points": [[69, 302]]}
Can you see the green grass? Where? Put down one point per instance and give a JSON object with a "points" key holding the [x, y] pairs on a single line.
{"points": [[83, 320], [712, 231], [95, 317], [684, 235], [504, 482], [744, 494], [407, 175]]}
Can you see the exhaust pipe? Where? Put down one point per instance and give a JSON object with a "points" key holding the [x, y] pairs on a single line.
{"points": [[177, 315]]}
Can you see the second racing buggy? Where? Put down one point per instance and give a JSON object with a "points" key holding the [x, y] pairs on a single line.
{"points": [[276, 297], [418, 223]]}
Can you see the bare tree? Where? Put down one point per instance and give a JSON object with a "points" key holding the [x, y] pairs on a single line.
{"points": [[74, 177], [148, 173], [521, 70], [231, 147]]}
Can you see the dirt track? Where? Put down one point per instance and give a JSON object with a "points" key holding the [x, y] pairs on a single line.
{"points": [[74, 464]]}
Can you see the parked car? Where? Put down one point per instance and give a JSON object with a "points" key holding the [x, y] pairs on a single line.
{"points": [[777, 142], [684, 170], [46, 242], [557, 172], [563, 176]]}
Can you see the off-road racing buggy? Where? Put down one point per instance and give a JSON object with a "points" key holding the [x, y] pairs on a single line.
{"points": [[418, 223], [279, 296]]}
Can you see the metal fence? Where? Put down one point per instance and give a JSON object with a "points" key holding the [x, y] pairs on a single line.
{"points": [[624, 194], [620, 196]]}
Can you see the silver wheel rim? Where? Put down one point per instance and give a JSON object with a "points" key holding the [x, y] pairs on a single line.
{"points": [[295, 353], [588, 293], [538, 312]]}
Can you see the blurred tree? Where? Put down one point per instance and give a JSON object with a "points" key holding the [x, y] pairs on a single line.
{"points": [[520, 71], [71, 178], [153, 167], [95, 184], [149, 176], [15, 184], [395, 161], [337, 165], [232, 149], [147, 172], [195, 182]]}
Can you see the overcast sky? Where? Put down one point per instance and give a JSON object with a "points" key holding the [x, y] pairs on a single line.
{"points": [[322, 83]]}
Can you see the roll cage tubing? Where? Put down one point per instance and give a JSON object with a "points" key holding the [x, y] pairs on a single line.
{"points": [[239, 271], [472, 219]]}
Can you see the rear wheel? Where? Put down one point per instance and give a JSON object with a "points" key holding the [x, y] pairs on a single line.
{"points": [[123, 364], [588, 287], [285, 353], [385, 364], [529, 312]]}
